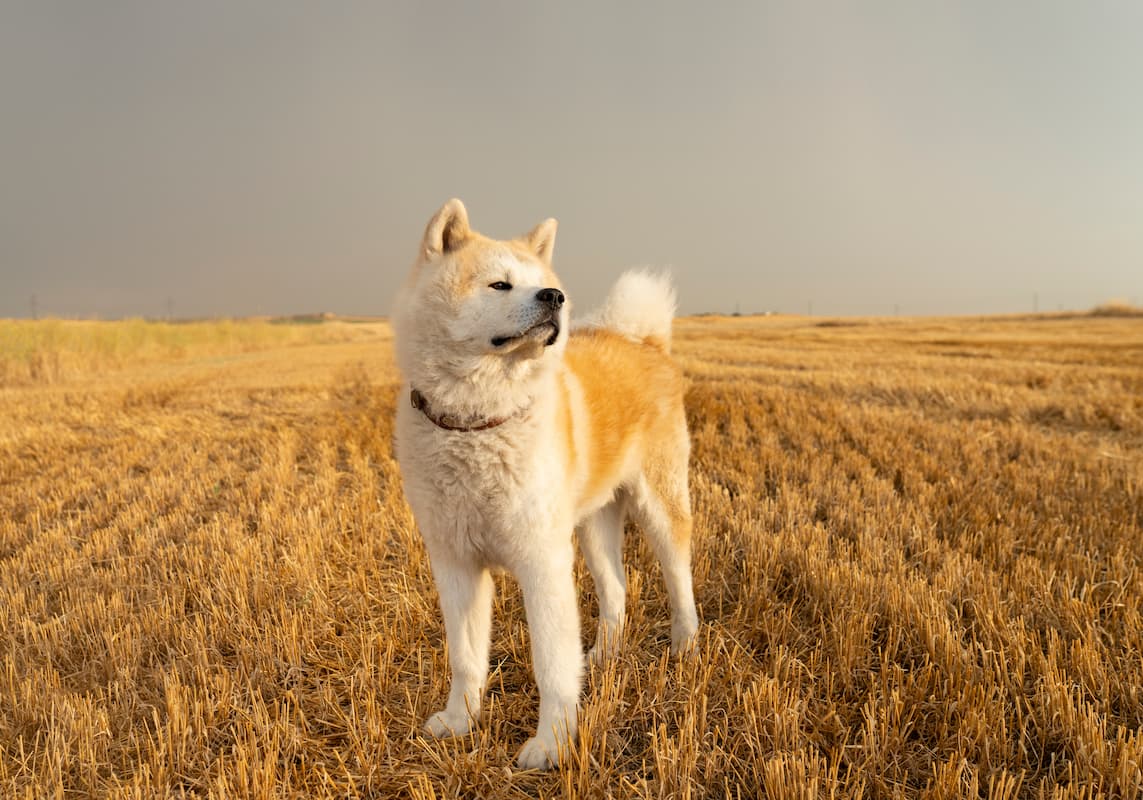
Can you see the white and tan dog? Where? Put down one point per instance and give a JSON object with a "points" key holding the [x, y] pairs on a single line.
{"points": [[516, 434]]}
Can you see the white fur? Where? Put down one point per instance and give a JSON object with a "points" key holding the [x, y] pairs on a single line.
{"points": [[501, 498], [640, 305]]}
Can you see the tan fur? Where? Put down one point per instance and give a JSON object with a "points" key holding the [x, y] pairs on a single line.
{"points": [[633, 395]]}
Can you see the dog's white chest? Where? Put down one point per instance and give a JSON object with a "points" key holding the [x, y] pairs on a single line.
{"points": [[482, 495]]}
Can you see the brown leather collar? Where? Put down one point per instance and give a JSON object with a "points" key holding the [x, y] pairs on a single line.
{"points": [[450, 423]]}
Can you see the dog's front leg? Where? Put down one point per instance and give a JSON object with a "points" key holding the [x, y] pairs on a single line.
{"points": [[548, 585], [465, 590]]}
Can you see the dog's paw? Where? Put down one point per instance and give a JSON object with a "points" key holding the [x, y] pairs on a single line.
{"points": [[683, 636], [597, 656], [444, 724], [603, 652], [608, 643], [538, 754]]}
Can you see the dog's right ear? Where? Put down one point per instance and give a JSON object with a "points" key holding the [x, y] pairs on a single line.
{"points": [[447, 230]]}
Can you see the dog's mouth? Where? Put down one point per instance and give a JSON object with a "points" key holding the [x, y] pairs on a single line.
{"points": [[547, 331]]}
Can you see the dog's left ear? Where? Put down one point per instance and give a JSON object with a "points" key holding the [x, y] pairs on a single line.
{"points": [[542, 239]]}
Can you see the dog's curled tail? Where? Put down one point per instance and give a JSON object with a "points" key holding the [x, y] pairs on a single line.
{"points": [[640, 306]]}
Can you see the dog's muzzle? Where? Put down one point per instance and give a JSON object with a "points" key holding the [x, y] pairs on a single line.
{"points": [[551, 301]]}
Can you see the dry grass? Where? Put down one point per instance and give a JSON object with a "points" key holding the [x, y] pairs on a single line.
{"points": [[55, 349], [917, 558]]}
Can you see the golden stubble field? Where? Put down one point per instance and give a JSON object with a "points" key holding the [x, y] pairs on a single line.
{"points": [[918, 551]]}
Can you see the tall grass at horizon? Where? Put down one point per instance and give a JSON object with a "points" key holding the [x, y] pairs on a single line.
{"points": [[49, 350]]}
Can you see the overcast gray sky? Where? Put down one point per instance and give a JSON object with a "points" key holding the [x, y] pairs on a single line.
{"points": [[282, 157]]}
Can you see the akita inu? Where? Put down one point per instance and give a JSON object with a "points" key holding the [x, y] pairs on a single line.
{"points": [[515, 433]]}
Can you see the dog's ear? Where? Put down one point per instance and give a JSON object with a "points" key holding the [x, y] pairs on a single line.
{"points": [[447, 230], [542, 238]]}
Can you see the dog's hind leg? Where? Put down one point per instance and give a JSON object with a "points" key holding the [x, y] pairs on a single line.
{"points": [[601, 542], [662, 507], [466, 601]]}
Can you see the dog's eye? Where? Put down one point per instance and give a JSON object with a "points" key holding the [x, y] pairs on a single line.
{"points": [[500, 286]]}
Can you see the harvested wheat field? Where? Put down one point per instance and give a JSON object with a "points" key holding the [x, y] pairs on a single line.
{"points": [[918, 553]]}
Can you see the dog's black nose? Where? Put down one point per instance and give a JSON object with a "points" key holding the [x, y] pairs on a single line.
{"points": [[553, 297]]}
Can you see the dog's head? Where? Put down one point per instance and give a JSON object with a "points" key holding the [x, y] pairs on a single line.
{"points": [[476, 309]]}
